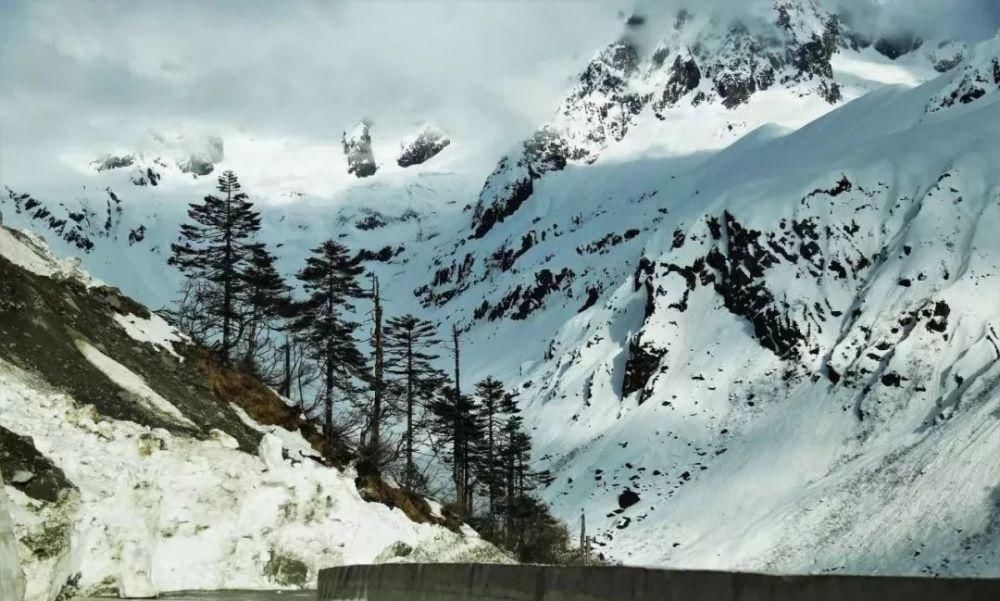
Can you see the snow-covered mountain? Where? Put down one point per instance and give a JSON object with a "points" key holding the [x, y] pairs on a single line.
{"points": [[129, 474], [744, 281]]}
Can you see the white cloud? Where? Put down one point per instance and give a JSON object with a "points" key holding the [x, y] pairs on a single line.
{"points": [[88, 77], [106, 72]]}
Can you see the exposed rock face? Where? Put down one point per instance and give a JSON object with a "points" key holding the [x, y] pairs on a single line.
{"points": [[427, 145], [947, 55], [110, 161], [11, 575], [80, 226], [358, 150], [978, 77], [511, 183], [896, 46], [684, 77]]}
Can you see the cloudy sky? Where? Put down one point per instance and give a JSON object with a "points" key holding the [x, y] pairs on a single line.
{"points": [[100, 74], [76, 71]]}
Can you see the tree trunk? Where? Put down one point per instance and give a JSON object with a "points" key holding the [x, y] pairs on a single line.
{"points": [[458, 445], [227, 282], [378, 380], [491, 473], [510, 499], [409, 412], [286, 381], [328, 401]]}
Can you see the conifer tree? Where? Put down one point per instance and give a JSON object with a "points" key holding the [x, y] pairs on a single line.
{"points": [[491, 395], [409, 344], [329, 280], [458, 423], [373, 446], [216, 246], [515, 453], [266, 297]]}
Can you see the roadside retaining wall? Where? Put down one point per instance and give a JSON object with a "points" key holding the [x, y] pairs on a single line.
{"points": [[462, 582]]}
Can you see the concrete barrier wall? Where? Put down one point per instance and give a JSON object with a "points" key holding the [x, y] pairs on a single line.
{"points": [[461, 582]]}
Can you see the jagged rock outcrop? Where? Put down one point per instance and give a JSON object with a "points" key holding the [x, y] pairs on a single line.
{"points": [[978, 77], [512, 182], [358, 149], [428, 144], [947, 55], [110, 161]]}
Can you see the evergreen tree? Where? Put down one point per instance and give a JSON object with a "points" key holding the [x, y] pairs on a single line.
{"points": [[216, 246], [409, 343], [329, 280], [515, 455], [374, 453], [266, 297], [491, 395], [459, 424]]}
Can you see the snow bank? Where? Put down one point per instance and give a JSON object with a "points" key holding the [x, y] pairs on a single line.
{"points": [[153, 330], [160, 512], [29, 251], [132, 382], [11, 576]]}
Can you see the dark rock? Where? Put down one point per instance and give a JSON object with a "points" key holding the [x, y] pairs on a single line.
{"points": [[358, 150], [627, 499], [428, 144], [896, 46], [110, 161]]}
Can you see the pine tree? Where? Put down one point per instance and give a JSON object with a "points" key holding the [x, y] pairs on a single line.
{"points": [[216, 247], [373, 451], [266, 298], [458, 423], [329, 280], [408, 345], [491, 395], [515, 453], [458, 444]]}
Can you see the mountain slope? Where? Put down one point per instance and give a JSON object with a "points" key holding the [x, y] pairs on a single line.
{"points": [[131, 475], [753, 324], [787, 352]]}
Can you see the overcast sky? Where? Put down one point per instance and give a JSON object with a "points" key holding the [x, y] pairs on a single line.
{"points": [[76, 71], [101, 73]]}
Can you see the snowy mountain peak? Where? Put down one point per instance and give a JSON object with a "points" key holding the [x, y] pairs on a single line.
{"points": [[701, 59], [977, 77], [160, 154]]}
